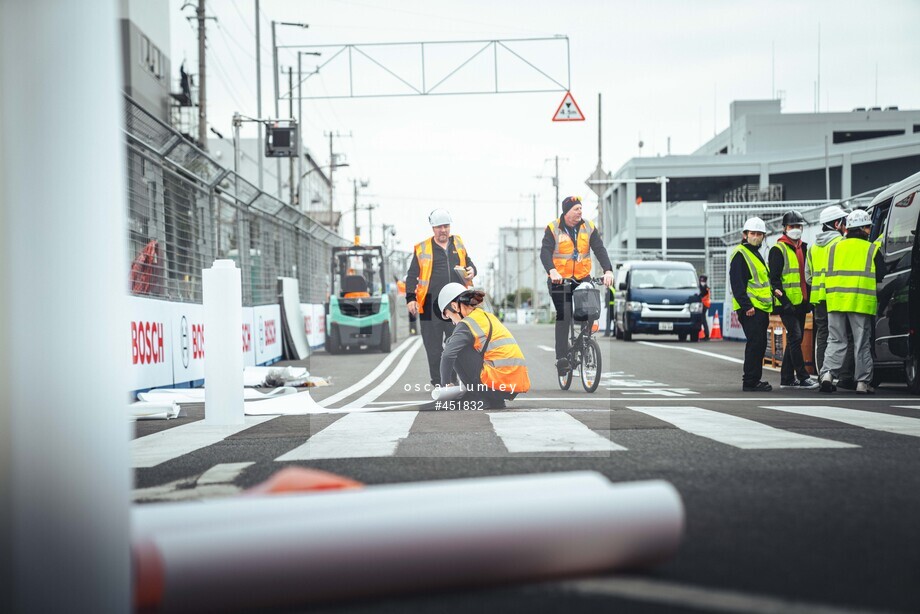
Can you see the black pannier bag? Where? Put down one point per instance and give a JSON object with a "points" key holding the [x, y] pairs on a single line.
{"points": [[586, 303]]}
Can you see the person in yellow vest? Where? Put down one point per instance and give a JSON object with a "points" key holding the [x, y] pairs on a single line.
{"points": [[786, 263], [833, 225], [752, 301], [481, 351], [566, 254], [438, 260], [854, 268]]}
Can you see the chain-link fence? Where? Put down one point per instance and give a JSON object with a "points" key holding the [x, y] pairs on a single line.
{"points": [[185, 211]]}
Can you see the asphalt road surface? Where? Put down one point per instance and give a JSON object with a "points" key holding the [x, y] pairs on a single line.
{"points": [[796, 501]]}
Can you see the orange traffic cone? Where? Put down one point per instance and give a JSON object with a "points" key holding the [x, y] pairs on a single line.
{"points": [[716, 332]]}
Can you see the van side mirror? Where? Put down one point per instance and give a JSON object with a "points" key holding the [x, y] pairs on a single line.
{"points": [[622, 285]]}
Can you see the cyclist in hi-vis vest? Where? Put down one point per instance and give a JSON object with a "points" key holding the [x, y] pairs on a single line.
{"points": [[787, 279], [833, 221], [854, 268], [481, 351], [438, 261], [566, 254], [752, 301]]}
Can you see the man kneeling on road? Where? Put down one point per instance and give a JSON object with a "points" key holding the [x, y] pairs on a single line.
{"points": [[481, 350]]}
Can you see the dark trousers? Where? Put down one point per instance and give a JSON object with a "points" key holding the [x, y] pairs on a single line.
{"points": [[793, 359], [434, 332], [469, 368], [846, 372], [561, 295], [755, 329], [705, 322], [609, 320]]}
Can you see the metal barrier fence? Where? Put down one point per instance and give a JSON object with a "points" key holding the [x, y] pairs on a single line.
{"points": [[185, 211]]}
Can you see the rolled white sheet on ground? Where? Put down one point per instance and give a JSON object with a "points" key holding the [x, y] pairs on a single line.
{"points": [[223, 363], [443, 542], [447, 393], [235, 511]]}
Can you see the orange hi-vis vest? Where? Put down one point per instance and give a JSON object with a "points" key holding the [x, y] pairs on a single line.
{"points": [[503, 363], [570, 259], [424, 253]]}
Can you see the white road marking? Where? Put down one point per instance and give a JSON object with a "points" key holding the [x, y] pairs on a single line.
{"points": [[548, 432], [685, 596], [888, 423], [151, 450], [386, 384], [358, 435], [907, 406], [734, 431], [546, 348], [370, 377], [695, 351], [215, 482]]}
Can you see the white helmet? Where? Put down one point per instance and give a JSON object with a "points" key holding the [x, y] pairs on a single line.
{"points": [[831, 214], [858, 219], [756, 224], [439, 217], [449, 294]]}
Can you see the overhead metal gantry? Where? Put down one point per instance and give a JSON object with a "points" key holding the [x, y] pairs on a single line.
{"points": [[517, 66]]}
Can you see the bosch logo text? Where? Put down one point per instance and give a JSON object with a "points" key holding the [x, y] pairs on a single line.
{"points": [[147, 343], [271, 332], [247, 337], [197, 341]]}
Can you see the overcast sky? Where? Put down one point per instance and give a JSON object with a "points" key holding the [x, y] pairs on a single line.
{"points": [[665, 69]]}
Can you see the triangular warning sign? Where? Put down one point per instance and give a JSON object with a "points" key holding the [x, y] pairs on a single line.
{"points": [[568, 110]]}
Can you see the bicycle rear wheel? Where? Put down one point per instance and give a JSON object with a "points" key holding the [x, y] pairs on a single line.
{"points": [[590, 365]]}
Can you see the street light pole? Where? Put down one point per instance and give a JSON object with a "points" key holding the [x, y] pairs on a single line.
{"points": [[260, 153], [277, 112]]}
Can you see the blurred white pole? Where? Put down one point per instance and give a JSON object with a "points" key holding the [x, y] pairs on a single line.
{"points": [[64, 470], [223, 359]]}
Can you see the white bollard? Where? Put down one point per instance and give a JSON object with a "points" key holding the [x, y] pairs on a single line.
{"points": [[223, 357]]}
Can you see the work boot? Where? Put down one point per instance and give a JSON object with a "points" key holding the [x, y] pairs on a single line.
{"points": [[827, 382], [864, 388], [562, 366], [758, 387]]}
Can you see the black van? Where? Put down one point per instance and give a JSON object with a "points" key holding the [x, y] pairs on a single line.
{"points": [[657, 297], [895, 225]]}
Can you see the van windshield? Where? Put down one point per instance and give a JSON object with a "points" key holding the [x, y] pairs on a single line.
{"points": [[667, 279]]}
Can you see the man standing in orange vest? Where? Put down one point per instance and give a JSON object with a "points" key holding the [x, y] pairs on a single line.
{"points": [[438, 261], [566, 254]]}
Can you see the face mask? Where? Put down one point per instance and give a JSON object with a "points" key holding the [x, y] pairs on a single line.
{"points": [[755, 241], [795, 234]]}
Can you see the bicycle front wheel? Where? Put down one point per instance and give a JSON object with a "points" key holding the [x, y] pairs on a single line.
{"points": [[565, 380], [590, 365]]}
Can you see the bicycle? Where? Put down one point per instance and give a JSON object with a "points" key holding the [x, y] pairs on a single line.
{"points": [[583, 352]]}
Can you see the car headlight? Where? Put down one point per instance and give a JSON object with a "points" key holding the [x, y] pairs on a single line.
{"points": [[633, 306], [696, 307]]}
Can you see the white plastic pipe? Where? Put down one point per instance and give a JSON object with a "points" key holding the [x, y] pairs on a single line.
{"points": [[223, 358], [439, 542], [64, 468], [168, 517]]}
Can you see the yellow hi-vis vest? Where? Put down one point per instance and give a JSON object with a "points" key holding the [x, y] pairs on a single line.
{"points": [[503, 362], [424, 253], [792, 277], [850, 278], [571, 259], [758, 286], [817, 262]]}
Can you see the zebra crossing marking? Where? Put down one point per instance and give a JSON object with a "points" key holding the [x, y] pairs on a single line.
{"points": [[734, 431], [548, 432], [356, 435], [888, 423], [151, 450]]}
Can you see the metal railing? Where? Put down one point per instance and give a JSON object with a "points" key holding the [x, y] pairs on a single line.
{"points": [[185, 211]]}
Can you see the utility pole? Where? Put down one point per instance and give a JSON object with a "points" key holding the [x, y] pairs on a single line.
{"points": [[202, 98], [355, 208], [297, 147], [275, 80], [536, 259], [517, 249], [300, 154], [259, 153]]}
